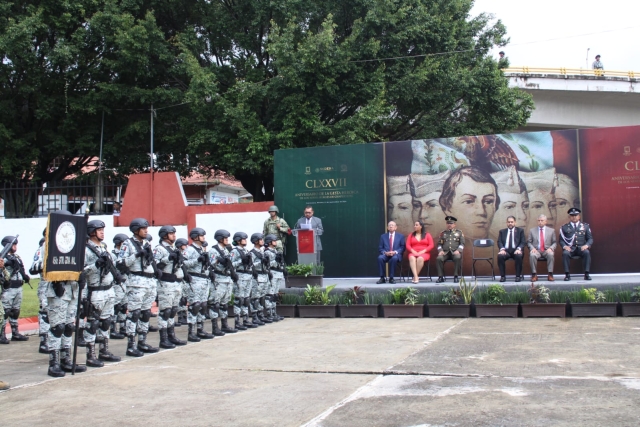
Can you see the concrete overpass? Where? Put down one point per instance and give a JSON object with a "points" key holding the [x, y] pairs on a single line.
{"points": [[575, 98]]}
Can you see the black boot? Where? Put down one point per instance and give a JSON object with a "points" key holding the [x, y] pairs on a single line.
{"points": [[239, 326], [54, 364], [153, 328], [114, 334], [226, 328], [245, 322], [217, 332], [66, 364], [105, 354], [201, 332], [567, 277], [192, 337], [261, 315], [182, 318], [164, 339], [80, 338], [15, 335], [171, 332], [44, 349], [587, 276], [131, 347], [92, 360], [3, 335], [143, 346], [255, 320]]}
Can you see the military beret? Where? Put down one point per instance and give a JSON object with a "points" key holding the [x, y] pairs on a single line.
{"points": [[574, 211], [451, 220]]}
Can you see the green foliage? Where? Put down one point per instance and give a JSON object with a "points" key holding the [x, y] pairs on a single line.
{"points": [[588, 295], [314, 295], [406, 296], [467, 290], [354, 295], [451, 297], [493, 294], [300, 269], [318, 269], [538, 294], [635, 295], [289, 299]]}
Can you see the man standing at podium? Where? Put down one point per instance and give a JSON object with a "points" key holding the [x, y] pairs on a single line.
{"points": [[308, 221]]}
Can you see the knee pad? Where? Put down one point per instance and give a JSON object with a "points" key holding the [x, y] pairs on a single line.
{"points": [[237, 301], [15, 313], [223, 307], [216, 306], [145, 315], [166, 314], [68, 330], [123, 308], [183, 301], [57, 331], [174, 311], [92, 326], [105, 324], [135, 315], [194, 309], [247, 301], [117, 308]]}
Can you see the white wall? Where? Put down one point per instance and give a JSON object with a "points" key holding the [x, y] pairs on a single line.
{"points": [[248, 222]]}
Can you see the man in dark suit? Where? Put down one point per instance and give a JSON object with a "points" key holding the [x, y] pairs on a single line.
{"points": [[390, 250], [316, 224], [511, 242], [576, 241]]}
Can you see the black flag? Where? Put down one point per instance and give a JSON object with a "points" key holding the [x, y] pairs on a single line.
{"points": [[65, 246]]}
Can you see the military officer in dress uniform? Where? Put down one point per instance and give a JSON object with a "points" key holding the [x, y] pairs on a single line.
{"points": [[276, 226], [576, 240], [450, 246]]}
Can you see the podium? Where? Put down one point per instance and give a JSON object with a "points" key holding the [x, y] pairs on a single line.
{"points": [[306, 244]]}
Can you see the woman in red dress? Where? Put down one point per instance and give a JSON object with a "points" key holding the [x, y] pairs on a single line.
{"points": [[419, 244]]}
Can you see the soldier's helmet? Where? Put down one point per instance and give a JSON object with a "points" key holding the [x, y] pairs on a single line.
{"points": [[137, 224], [269, 238], [181, 242], [239, 236], [197, 232], [8, 239], [220, 235], [119, 238], [93, 226], [255, 237], [273, 208], [165, 230]]}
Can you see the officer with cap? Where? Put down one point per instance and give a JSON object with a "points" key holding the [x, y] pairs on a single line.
{"points": [[260, 265], [43, 317], [196, 261], [137, 256], [276, 226], [12, 295], [181, 244], [243, 265], [576, 240], [450, 246], [220, 261], [169, 260], [120, 293], [276, 267], [98, 266]]}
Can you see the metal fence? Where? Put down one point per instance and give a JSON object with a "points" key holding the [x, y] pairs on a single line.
{"points": [[35, 199]]}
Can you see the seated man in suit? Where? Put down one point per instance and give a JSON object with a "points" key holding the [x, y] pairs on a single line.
{"points": [[390, 251], [542, 243], [576, 241], [511, 243]]}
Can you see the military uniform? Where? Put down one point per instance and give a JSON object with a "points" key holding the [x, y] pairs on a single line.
{"points": [[43, 317], [120, 307], [259, 285], [271, 227], [12, 295], [243, 265], [277, 268], [4, 280], [220, 261], [198, 293], [449, 242], [575, 235]]}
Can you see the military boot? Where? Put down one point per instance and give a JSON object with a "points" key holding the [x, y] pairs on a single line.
{"points": [[153, 328], [3, 335], [105, 354], [123, 328], [182, 319], [238, 325], [192, 337], [80, 338], [44, 348], [171, 332], [255, 320], [226, 328], [92, 360], [143, 346], [164, 339], [215, 330], [114, 334], [131, 347], [66, 364], [245, 322], [201, 333], [15, 335], [54, 364]]}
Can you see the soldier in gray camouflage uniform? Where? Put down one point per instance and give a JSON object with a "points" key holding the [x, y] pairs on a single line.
{"points": [[12, 296], [260, 279], [196, 261], [99, 271], [120, 294], [43, 317], [276, 226], [220, 261], [169, 260], [137, 255], [276, 265], [181, 245], [242, 264], [4, 281]]}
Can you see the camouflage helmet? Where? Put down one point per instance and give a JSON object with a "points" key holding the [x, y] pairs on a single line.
{"points": [[273, 208], [255, 237], [220, 235], [239, 236], [181, 242], [119, 238], [137, 224], [269, 238], [165, 230], [93, 226]]}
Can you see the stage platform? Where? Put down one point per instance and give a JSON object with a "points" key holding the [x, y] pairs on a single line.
{"points": [[600, 281]]}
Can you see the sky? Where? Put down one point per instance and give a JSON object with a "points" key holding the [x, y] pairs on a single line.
{"points": [[532, 25]]}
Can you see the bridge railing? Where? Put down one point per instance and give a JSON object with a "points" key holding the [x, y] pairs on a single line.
{"points": [[571, 71]]}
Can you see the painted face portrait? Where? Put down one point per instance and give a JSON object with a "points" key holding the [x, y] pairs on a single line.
{"points": [[399, 207], [542, 198], [567, 194], [514, 200], [471, 196], [426, 191]]}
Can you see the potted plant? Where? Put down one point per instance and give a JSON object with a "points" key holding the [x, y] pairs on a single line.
{"points": [[301, 275], [286, 306], [318, 302], [630, 302], [454, 302], [492, 303], [401, 302], [540, 304], [357, 303], [591, 302]]}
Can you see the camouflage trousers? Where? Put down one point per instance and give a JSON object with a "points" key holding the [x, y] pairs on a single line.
{"points": [[62, 314], [101, 308], [274, 286], [241, 290], [259, 289], [11, 301], [2, 315], [185, 289], [221, 295], [198, 293], [43, 317], [140, 299], [120, 299], [169, 294]]}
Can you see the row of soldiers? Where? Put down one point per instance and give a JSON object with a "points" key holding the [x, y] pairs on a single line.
{"points": [[118, 289]]}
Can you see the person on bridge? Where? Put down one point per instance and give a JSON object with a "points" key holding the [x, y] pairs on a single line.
{"points": [[597, 64]]}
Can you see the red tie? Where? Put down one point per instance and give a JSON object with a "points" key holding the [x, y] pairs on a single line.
{"points": [[541, 240], [391, 242]]}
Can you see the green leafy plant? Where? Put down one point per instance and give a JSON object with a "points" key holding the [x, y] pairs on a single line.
{"points": [[318, 270], [538, 294], [467, 290], [635, 295], [408, 295], [591, 295], [354, 295], [496, 294], [314, 295], [289, 299], [300, 269], [451, 297]]}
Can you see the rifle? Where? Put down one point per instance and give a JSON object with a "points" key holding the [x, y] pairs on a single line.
{"points": [[7, 248], [146, 253], [14, 260], [108, 267], [228, 265]]}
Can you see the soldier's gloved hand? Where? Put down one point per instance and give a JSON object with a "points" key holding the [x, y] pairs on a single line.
{"points": [[202, 258], [119, 278], [227, 262], [279, 258], [158, 274], [101, 262], [82, 280], [139, 254], [174, 256], [246, 258]]}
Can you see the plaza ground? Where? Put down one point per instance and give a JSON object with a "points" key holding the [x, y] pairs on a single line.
{"points": [[350, 372]]}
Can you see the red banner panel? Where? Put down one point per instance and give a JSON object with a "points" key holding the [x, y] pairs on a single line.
{"points": [[306, 242]]}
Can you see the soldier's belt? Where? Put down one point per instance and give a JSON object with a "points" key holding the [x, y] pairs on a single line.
{"points": [[94, 288], [278, 269], [168, 277], [202, 276], [143, 274], [15, 284]]}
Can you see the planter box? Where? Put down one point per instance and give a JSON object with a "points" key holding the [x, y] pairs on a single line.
{"points": [[495, 310], [286, 310], [630, 309], [543, 310], [358, 310], [449, 310], [402, 310], [317, 310], [302, 282], [602, 309]]}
